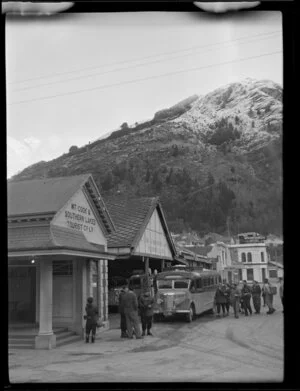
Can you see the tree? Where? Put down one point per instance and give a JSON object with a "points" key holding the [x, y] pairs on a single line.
{"points": [[124, 126], [107, 182], [73, 149]]}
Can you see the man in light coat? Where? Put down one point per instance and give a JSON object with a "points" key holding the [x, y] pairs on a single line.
{"points": [[130, 306], [269, 296]]}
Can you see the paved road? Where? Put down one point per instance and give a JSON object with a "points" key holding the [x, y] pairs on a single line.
{"points": [[248, 349]]}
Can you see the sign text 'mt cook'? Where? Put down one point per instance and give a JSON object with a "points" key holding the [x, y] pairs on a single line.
{"points": [[79, 218]]}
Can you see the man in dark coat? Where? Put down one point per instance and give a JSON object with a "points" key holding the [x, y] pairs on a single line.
{"points": [[227, 292], [146, 303], [256, 297], [91, 319], [130, 305], [122, 314], [220, 299], [246, 296]]}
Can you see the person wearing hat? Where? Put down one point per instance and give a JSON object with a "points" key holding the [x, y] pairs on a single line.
{"points": [[91, 319], [146, 303], [246, 295], [256, 296], [235, 296], [130, 305], [123, 325], [220, 299], [269, 296]]}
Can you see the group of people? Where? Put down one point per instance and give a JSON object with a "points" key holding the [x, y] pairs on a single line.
{"points": [[236, 295], [239, 297], [130, 308]]}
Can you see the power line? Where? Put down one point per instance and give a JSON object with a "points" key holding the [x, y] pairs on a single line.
{"points": [[144, 58], [143, 79], [125, 68]]}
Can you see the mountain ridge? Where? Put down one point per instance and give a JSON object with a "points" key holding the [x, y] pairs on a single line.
{"points": [[217, 154]]}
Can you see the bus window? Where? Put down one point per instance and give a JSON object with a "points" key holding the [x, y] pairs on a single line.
{"points": [[181, 284], [164, 284], [199, 283]]}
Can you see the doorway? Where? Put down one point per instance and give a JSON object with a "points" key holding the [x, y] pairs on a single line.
{"points": [[21, 294]]}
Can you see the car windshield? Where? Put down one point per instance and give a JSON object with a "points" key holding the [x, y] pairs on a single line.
{"points": [[135, 282], [181, 284], [164, 284], [173, 284]]}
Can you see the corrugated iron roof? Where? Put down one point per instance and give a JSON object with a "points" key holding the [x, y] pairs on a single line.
{"points": [[38, 196], [130, 217]]}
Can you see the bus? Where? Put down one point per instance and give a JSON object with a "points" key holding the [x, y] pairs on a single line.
{"points": [[187, 293]]}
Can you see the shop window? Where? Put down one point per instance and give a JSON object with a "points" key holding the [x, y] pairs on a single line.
{"points": [[250, 276], [62, 268], [262, 255], [243, 257], [249, 257]]}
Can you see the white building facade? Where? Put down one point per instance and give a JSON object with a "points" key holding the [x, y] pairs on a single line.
{"points": [[251, 259]]}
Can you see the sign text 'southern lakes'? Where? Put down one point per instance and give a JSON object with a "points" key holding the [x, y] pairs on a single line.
{"points": [[79, 218]]}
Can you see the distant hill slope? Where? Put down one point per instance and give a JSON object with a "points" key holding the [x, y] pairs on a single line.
{"points": [[215, 160]]}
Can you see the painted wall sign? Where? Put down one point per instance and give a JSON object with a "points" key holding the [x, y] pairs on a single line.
{"points": [[79, 216]]}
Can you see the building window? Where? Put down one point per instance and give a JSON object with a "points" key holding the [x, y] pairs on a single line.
{"points": [[249, 257], [273, 273], [262, 257], [243, 257], [250, 275], [240, 274]]}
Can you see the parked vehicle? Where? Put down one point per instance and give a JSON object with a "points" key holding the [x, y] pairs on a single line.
{"points": [[188, 293], [138, 283], [114, 287]]}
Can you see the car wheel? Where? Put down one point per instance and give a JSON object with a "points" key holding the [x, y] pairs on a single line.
{"points": [[191, 314]]}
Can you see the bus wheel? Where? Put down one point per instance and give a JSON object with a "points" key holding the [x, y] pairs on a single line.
{"points": [[191, 314]]}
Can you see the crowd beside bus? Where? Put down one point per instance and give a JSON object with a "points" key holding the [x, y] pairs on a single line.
{"points": [[238, 296]]}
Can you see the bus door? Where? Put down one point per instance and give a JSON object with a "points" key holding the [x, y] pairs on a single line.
{"points": [[195, 294]]}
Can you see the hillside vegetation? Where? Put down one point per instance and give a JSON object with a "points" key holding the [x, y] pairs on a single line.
{"points": [[214, 160]]}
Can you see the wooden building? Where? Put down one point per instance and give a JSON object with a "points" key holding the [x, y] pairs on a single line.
{"points": [[57, 253]]}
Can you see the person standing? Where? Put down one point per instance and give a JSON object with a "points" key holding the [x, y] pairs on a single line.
{"points": [[246, 296], [130, 302], [146, 309], [256, 297], [220, 299], [228, 289], [269, 296], [122, 314], [263, 294], [91, 319], [281, 293], [235, 296]]}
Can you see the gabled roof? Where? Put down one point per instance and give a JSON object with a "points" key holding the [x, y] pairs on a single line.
{"points": [[49, 195], [49, 237], [39, 196], [131, 217], [200, 250]]}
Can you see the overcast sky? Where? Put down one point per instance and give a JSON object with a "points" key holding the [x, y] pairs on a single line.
{"points": [[75, 77]]}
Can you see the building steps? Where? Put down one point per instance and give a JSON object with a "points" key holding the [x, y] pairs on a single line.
{"points": [[23, 341]]}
